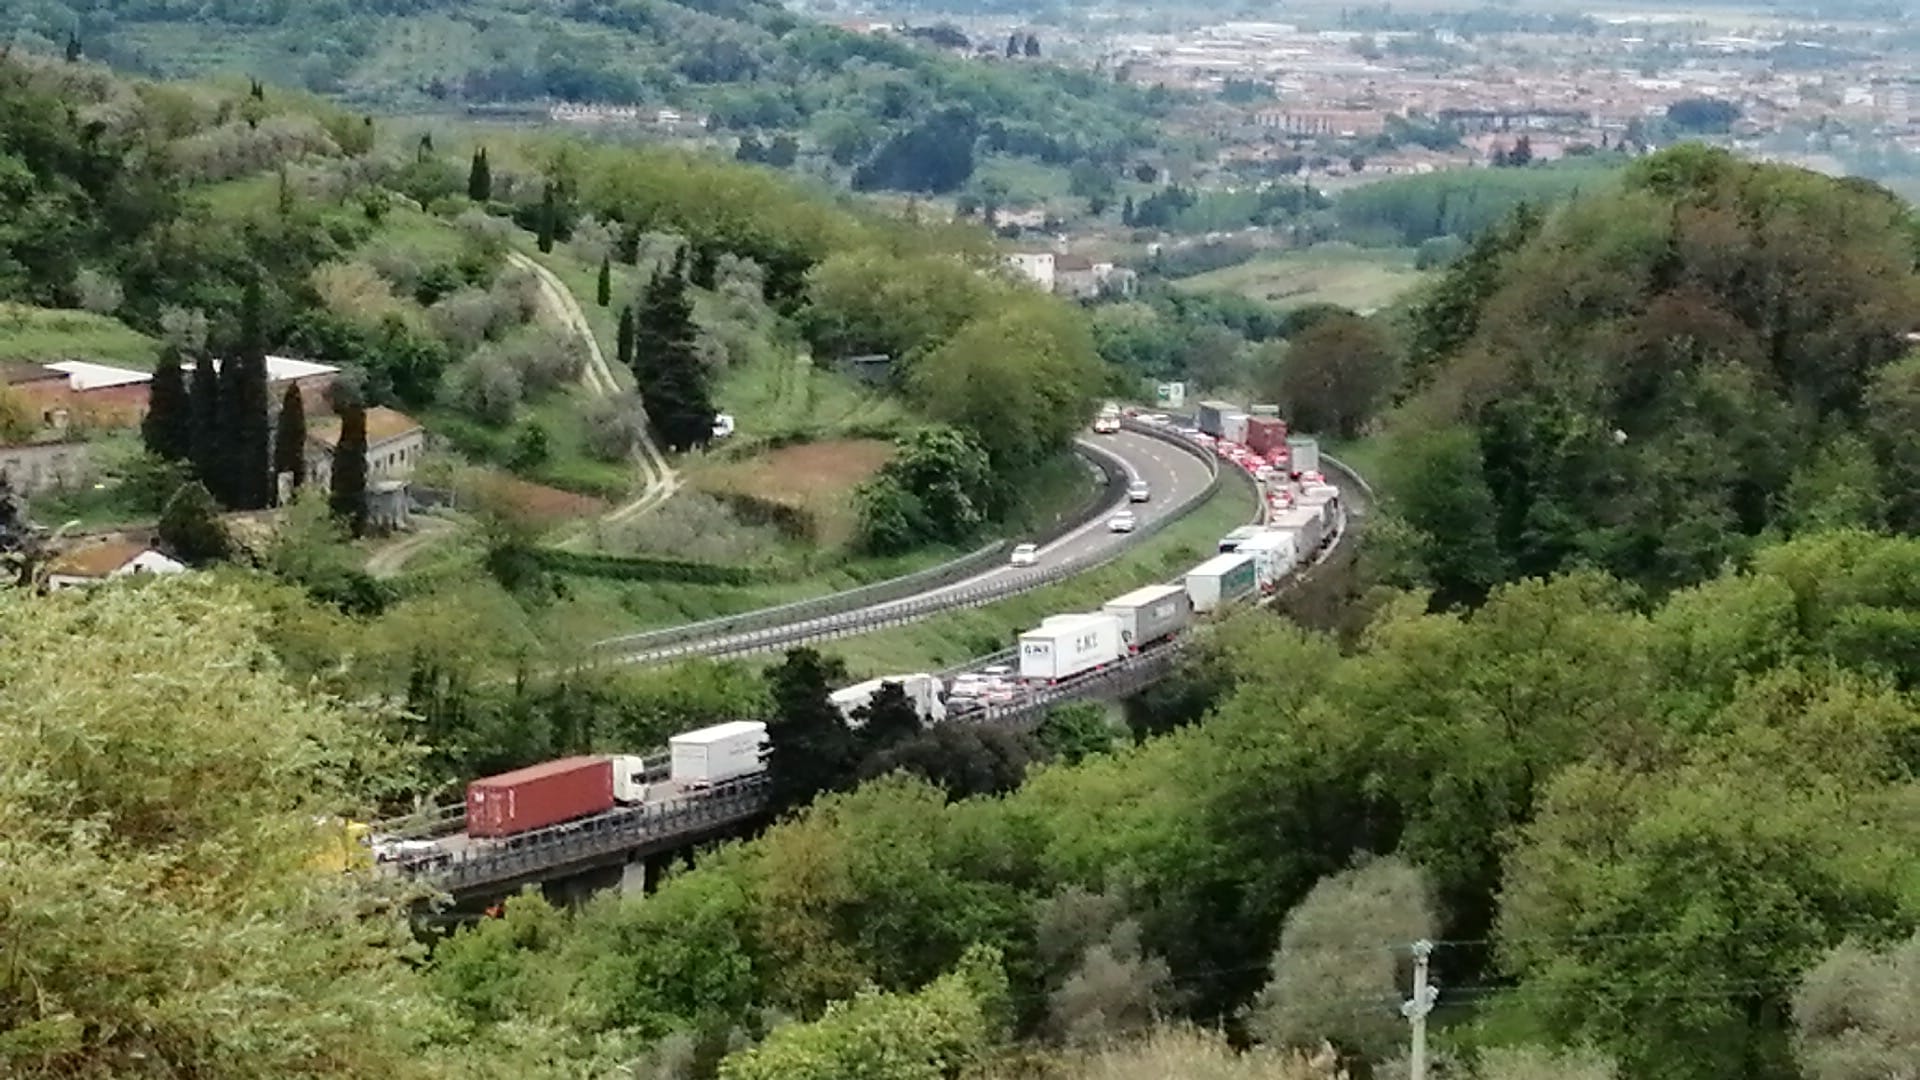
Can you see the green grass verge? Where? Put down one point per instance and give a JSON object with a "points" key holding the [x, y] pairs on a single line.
{"points": [[777, 395], [41, 334], [953, 637], [1363, 279]]}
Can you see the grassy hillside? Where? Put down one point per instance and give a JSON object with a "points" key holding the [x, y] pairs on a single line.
{"points": [[859, 106], [1358, 278]]}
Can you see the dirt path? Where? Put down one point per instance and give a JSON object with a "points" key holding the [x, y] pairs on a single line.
{"points": [[659, 479], [387, 562]]}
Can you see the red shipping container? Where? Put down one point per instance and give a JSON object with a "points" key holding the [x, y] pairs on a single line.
{"points": [[1266, 434], [539, 795]]}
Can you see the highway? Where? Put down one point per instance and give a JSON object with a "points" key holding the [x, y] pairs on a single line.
{"points": [[1175, 477], [464, 868]]}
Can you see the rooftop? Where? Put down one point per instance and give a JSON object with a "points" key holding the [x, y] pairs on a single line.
{"points": [[283, 368], [382, 424], [16, 372], [99, 560], [82, 375]]}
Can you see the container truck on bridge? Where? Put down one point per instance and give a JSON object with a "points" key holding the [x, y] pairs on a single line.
{"points": [[1067, 645], [922, 689], [1150, 615]]}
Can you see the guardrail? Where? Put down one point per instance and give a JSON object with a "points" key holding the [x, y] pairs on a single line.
{"points": [[633, 828], [850, 623]]}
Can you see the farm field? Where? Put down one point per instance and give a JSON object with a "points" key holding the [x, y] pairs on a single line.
{"points": [[1364, 280]]}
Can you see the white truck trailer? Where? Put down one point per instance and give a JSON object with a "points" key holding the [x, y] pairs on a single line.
{"points": [[1220, 581], [718, 753], [1068, 645], [1307, 522], [922, 689], [1151, 614], [1273, 551], [1303, 454]]}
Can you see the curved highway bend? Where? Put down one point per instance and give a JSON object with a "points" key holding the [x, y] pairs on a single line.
{"points": [[1172, 474]]}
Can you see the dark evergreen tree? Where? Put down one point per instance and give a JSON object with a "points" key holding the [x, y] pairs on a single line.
{"points": [[603, 289], [190, 526], [1033, 45], [245, 400], [424, 149], [1013, 43], [627, 245], [290, 439], [349, 488], [480, 177], [549, 220], [167, 429], [624, 338], [208, 440], [705, 266], [811, 751], [255, 90], [888, 719], [1126, 211], [73, 48], [667, 367]]}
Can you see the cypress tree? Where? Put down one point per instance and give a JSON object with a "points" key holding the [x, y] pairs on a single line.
{"points": [[290, 439], [666, 365], [549, 213], [603, 292], [706, 266], [245, 400], [623, 341], [208, 423], [809, 750], [167, 429], [480, 177], [348, 496]]}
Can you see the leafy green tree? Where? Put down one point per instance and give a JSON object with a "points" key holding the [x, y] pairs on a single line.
{"points": [[348, 495], [1854, 1013], [886, 720], [1332, 955], [1076, 730], [290, 438], [811, 749], [939, 1031], [161, 895], [1893, 431], [1333, 377], [480, 177], [167, 429], [962, 760], [190, 526]]}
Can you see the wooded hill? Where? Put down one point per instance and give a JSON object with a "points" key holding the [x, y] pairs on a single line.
{"points": [[886, 112]]}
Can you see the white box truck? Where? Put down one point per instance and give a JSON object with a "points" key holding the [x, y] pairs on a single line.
{"points": [[721, 752], [922, 689], [1308, 524], [1221, 580], [1325, 496], [629, 778], [1065, 646], [1273, 551], [1151, 614], [1232, 541], [1303, 454], [1233, 427]]}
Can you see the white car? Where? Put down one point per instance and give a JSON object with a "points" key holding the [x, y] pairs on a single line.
{"points": [[1025, 555], [1121, 522], [1138, 491]]}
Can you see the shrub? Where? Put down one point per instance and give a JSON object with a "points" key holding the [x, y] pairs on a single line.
{"points": [[613, 426], [486, 387]]}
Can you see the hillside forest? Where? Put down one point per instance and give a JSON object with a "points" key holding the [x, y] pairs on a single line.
{"points": [[1616, 709]]}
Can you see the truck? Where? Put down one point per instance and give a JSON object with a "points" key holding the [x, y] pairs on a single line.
{"points": [[1232, 541], [629, 779], [1233, 426], [922, 689], [1220, 581], [1151, 614], [1265, 434], [1303, 454], [1273, 551], [1308, 523], [1208, 416], [1065, 646], [1272, 411], [719, 753], [537, 796], [1320, 495], [1108, 421]]}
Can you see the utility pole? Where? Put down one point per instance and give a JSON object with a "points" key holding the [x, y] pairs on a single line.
{"points": [[1417, 1008]]}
